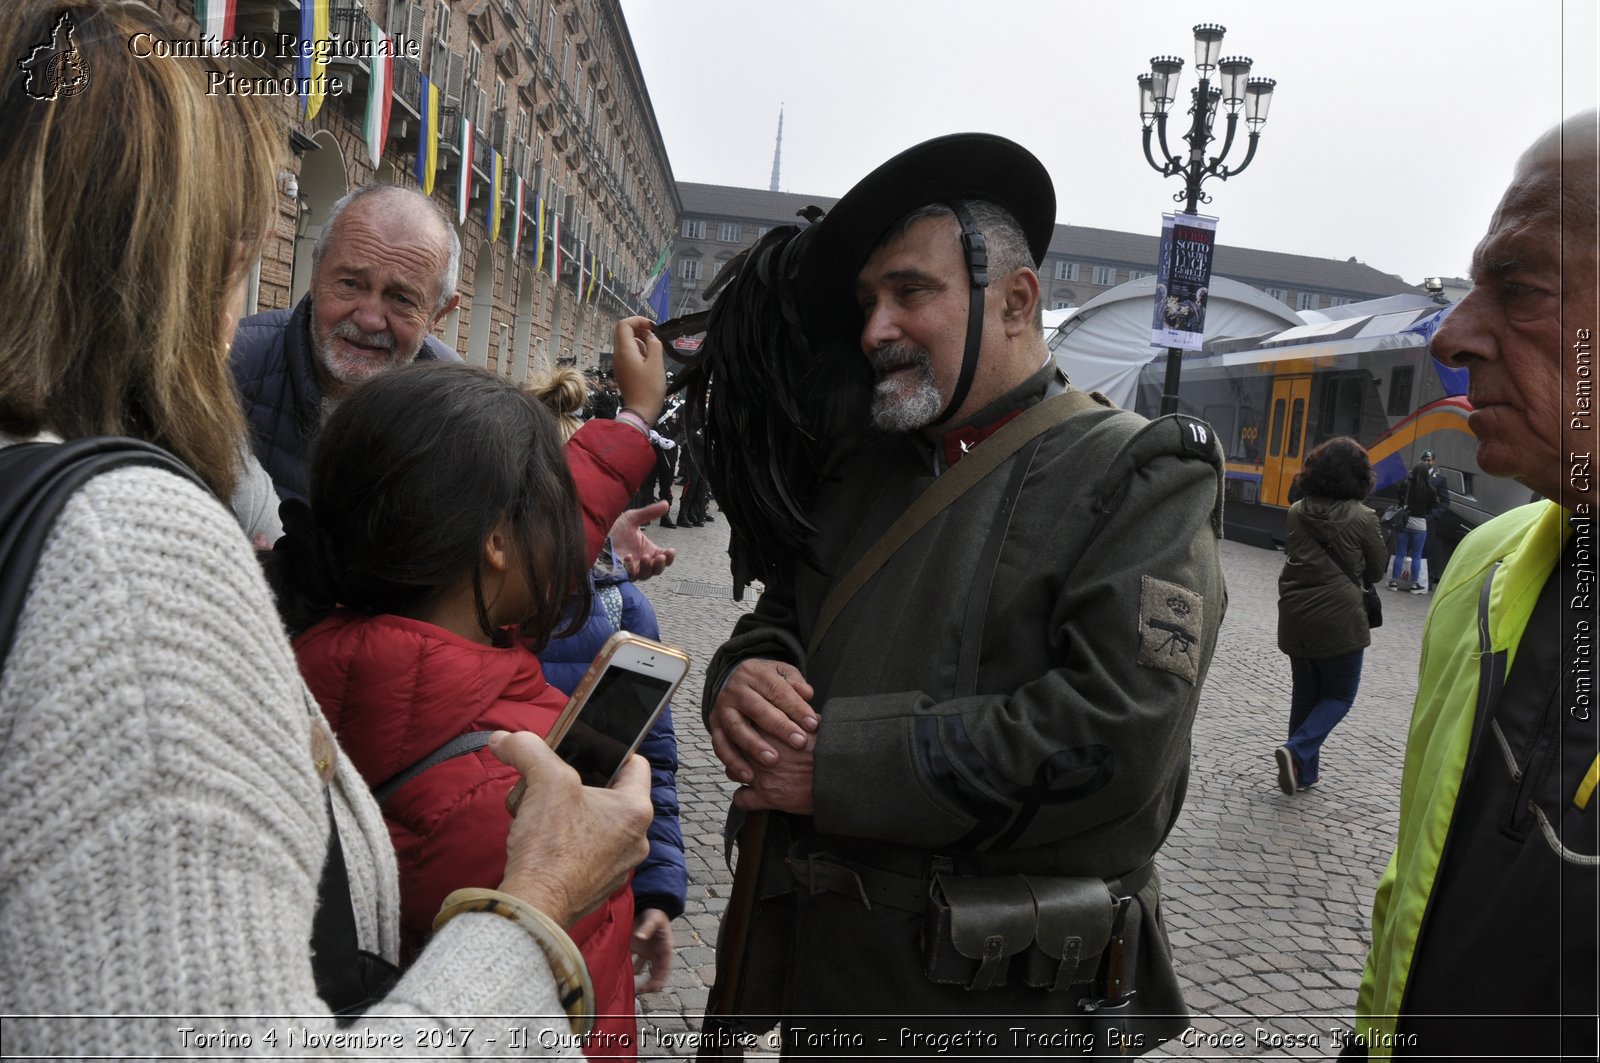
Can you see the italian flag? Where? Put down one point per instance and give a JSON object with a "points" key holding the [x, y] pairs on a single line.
{"points": [[464, 189], [380, 96], [217, 18]]}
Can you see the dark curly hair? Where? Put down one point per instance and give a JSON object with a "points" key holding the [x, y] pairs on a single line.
{"points": [[1337, 469]]}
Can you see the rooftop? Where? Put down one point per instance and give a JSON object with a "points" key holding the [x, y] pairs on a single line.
{"points": [[1261, 268]]}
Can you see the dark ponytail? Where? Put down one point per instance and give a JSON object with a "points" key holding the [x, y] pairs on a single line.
{"points": [[303, 569]]}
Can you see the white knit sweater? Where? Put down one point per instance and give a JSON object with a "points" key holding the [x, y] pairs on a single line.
{"points": [[163, 827]]}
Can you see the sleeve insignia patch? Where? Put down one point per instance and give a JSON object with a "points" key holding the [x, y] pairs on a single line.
{"points": [[1170, 627]]}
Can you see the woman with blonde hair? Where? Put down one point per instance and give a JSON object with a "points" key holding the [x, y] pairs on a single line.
{"points": [[172, 801], [564, 392]]}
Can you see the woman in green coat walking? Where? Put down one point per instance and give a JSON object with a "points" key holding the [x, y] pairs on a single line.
{"points": [[1322, 620]]}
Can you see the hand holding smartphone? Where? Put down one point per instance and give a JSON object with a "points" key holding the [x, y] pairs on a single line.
{"points": [[613, 707]]}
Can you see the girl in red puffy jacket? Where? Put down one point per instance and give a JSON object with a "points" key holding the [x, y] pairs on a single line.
{"points": [[451, 526]]}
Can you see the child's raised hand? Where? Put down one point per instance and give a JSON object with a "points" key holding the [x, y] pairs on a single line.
{"points": [[640, 367]]}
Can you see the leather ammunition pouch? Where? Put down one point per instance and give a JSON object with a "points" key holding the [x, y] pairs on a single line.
{"points": [[1048, 933]]}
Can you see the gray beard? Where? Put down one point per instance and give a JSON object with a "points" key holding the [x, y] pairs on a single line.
{"points": [[904, 405]]}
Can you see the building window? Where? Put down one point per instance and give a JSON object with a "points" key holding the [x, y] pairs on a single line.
{"points": [[1278, 294], [728, 232], [689, 269], [1338, 300], [1139, 274], [1062, 303], [1066, 271], [694, 229], [1105, 275], [1306, 301], [762, 230]]}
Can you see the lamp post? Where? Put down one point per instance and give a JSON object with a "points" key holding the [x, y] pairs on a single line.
{"points": [[1235, 91]]}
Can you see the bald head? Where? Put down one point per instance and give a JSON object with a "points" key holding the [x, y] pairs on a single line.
{"points": [[1525, 333], [1566, 158], [388, 202]]}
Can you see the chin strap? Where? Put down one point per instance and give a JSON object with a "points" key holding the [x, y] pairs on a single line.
{"points": [[976, 251]]}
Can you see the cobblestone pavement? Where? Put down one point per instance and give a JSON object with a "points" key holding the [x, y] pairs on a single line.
{"points": [[1267, 897]]}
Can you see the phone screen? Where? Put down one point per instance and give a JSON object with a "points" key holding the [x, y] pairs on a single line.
{"points": [[618, 709]]}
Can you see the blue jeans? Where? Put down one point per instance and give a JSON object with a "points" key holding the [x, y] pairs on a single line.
{"points": [[1408, 542], [1324, 690]]}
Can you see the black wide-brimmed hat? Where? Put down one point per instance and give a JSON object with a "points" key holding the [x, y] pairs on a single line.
{"points": [[948, 168]]}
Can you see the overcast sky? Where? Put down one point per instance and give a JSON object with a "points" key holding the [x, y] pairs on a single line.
{"points": [[1391, 135]]}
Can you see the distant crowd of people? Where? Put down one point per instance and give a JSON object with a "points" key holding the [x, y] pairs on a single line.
{"points": [[287, 602]]}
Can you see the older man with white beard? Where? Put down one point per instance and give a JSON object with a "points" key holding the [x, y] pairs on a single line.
{"points": [[383, 273]]}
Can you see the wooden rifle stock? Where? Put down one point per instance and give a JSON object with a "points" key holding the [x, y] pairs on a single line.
{"points": [[721, 1036]]}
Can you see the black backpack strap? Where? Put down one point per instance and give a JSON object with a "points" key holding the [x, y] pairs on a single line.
{"points": [[349, 979], [36, 480], [458, 746]]}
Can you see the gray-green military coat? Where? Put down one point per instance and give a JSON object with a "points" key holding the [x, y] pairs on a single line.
{"points": [[1070, 755]]}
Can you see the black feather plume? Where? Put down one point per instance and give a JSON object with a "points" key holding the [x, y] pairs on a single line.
{"points": [[772, 406]]}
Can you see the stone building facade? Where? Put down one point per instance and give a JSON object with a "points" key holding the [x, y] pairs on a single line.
{"points": [[553, 89]]}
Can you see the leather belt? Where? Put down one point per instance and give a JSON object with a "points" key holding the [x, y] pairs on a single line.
{"points": [[826, 873]]}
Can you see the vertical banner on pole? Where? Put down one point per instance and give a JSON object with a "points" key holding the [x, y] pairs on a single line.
{"points": [[516, 217], [375, 124], [428, 137], [1183, 281], [464, 189]]}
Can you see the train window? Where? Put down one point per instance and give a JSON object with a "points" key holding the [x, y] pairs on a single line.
{"points": [[1297, 420], [1340, 412], [1276, 436], [1400, 390], [1220, 417]]}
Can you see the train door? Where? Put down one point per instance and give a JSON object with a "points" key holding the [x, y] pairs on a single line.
{"points": [[1286, 437]]}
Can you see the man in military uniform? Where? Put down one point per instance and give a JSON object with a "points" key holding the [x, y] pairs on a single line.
{"points": [[970, 712]]}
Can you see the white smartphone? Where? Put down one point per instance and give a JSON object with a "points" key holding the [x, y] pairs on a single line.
{"points": [[615, 705]]}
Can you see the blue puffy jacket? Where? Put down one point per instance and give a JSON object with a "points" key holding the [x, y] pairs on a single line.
{"points": [[271, 363], [662, 880]]}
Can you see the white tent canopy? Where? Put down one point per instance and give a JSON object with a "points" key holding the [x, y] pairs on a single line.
{"points": [[1104, 343]]}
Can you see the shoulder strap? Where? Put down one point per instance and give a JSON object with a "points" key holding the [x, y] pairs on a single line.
{"points": [[458, 746], [36, 480], [984, 459], [1337, 563], [1171, 434]]}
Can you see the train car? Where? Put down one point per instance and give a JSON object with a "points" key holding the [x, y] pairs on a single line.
{"points": [[1364, 373]]}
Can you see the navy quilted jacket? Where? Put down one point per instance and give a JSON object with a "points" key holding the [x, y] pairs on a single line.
{"points": [[271, 362], [662, 880]]}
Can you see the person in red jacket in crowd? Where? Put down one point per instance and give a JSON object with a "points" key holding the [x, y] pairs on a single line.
{"points": [[446, 527]]}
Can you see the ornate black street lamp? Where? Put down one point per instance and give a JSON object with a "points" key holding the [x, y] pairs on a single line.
{"points": [[1236, 91]]}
